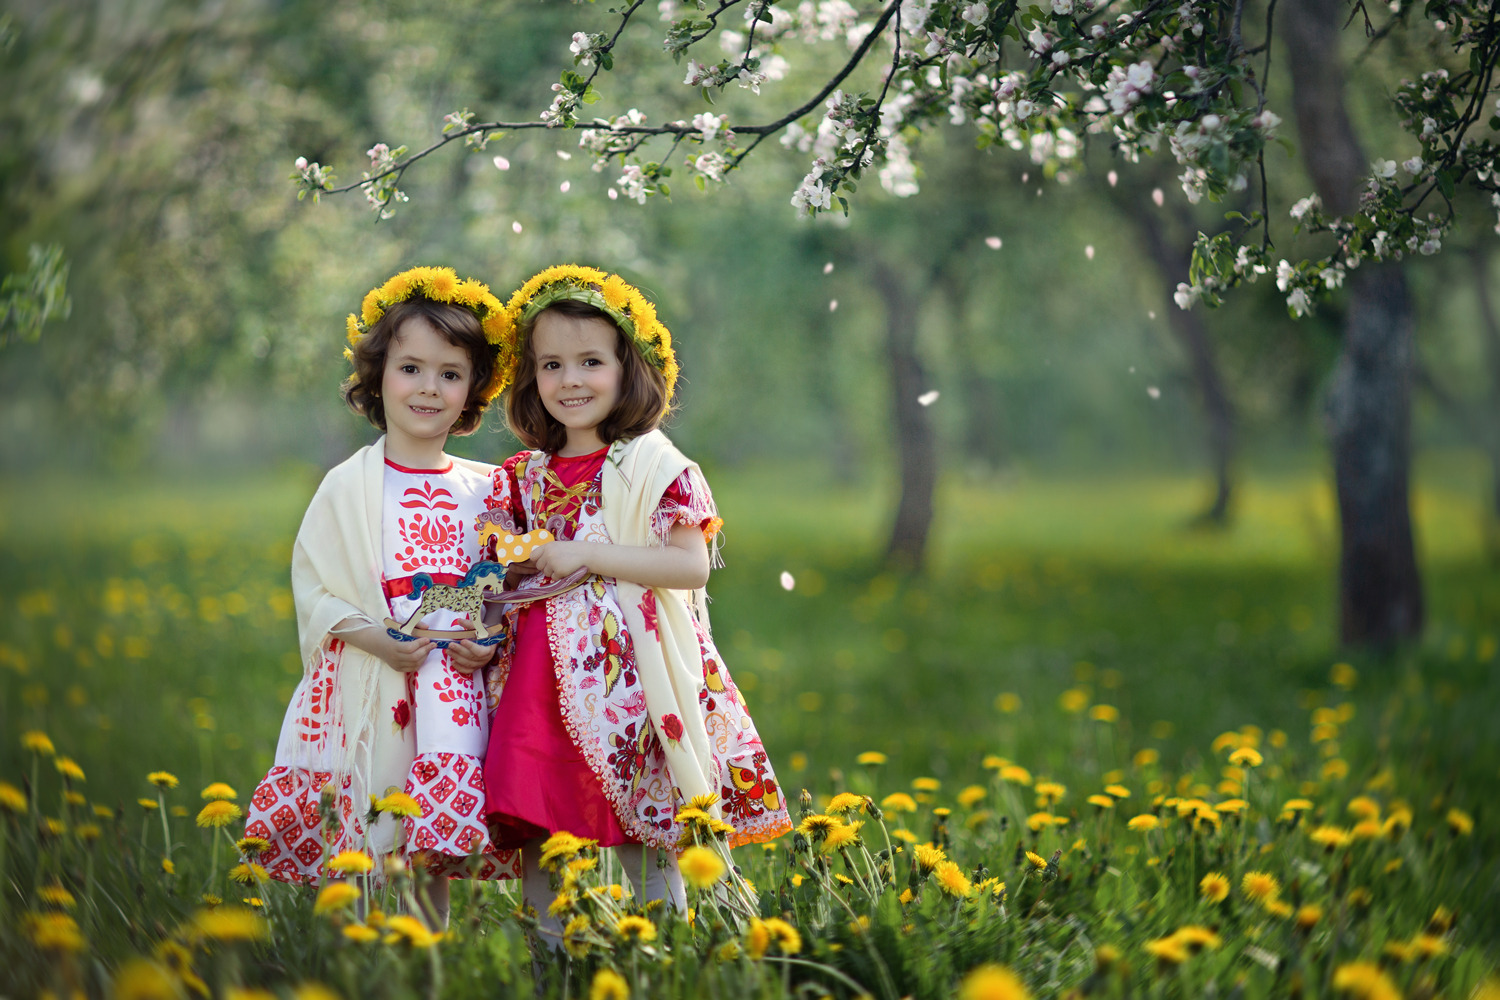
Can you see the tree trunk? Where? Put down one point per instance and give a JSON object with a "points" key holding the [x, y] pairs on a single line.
{"points": [[1369, 400], [1172, 263], [915, 441], [1489, 329]]}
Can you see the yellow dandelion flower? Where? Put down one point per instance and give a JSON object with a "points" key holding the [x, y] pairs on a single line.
{"points": [[704, 801], [1102, 801], [404, 929], [442, 284], [1039, 821], [12, 799], [928, 857], [1429, 945], [1049, 792], [351, 863], [906, 896], [399, 804], [993, 762], [56, 895], [871, 758], [816, 826], [1365, 981], [609, 985], [162, 779], [640, 929], [844, 802], [841, 836], [103, 812], [230, 924], [1332, 838], [361, 934], [369, 308], [1104, 713], [1168, 950], [209, 899], [1036, 860], [1118, 791], [1260, 886], [252, 845], [1232, 806], [247, 872], [1460, 822], [904, 835], [1335, 770], [785, 935], [1015, 774], [1146, 756], [168, 867], [971, 796], [1441, 921], [217, 813], [143, 979], [1214, 887], [1279, 908], [951, 879], [1367, 829], [926, 784], [1246, 757], [1398, 951], [88, 832], [68, 768], [1308, 916], [1363, 807], [993, 982], [898, 802], [1360, 896], [1196, 938], [1144, 822], [1296, 805], [701, 867], [219, 790], [616, 292], [335, 896], [38, 743], [942, 812], [1227, 741], [54, 932]]}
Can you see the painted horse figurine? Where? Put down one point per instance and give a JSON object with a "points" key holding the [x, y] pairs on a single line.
{"points": [[466, 598]]}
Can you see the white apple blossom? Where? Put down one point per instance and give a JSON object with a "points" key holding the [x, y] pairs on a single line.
{"points": [[1299, 303]]}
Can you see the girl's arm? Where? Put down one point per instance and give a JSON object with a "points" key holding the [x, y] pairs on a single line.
{"points": [[681, 564]]}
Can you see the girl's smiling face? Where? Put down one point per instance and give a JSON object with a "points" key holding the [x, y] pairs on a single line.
{"points": [[577, 374], [424, 387]]}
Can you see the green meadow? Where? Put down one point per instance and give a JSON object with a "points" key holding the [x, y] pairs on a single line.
{"points": [[1080, 633]]}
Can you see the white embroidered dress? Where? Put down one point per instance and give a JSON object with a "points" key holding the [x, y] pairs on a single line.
{"points": [[427, 526]]}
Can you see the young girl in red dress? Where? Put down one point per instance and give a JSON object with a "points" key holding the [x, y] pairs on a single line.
{"points": [[613, 708], [375, 715]]}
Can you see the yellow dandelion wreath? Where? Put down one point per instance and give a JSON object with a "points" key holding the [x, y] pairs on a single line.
{"points": [[441, 284], [622, 301]]}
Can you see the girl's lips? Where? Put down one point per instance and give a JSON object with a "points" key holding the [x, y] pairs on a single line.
{"points": [[576, 402]]}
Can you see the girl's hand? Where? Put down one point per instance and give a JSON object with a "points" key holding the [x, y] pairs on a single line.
{"points": [[466, 655], [558, 559], [404, 656], [518, 571]]}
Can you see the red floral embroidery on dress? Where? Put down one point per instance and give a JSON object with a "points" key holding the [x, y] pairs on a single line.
{"points": [[648, 612], [428, 497], [433, 544], [402, 713], [671, 727]]}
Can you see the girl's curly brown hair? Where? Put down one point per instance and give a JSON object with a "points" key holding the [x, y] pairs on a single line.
{"points": [[461, 328], [641, 408]]}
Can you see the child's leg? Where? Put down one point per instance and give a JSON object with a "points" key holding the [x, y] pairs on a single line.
{"points": [[536, 890], [653, 874], [433, 899]]}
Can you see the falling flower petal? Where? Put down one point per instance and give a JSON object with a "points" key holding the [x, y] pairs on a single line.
{"points": [[613, 194], [501, 163], [1113, 177], [1088, 251], [787, 580], [828, 267], [928, 398], [1158, 197], [564, 186], [833, 305], [993, 242], [1153, 392], [515, 227]]}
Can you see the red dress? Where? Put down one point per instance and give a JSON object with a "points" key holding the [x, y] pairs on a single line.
{"points": [[544, 785]]}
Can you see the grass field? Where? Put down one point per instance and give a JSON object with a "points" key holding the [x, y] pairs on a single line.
{"points": [[1067, 625]]}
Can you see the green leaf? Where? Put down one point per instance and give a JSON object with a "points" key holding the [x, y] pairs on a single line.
{"points": [[666, 191], [1445, 183], [702, 184]]}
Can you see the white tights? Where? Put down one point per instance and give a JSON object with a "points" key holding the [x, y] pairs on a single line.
{"points": [[662, 882]]}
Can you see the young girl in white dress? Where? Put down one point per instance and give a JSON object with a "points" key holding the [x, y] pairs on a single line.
{"points": [[375, 715]]}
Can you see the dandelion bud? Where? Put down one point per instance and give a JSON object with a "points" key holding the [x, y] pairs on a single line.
{"points": [[805, 800]]}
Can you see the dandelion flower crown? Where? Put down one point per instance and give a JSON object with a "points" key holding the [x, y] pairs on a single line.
{"points": [[440, 284], [616, 297]]}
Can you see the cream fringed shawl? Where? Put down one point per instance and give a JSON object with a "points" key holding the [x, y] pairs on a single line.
{"points": [[670, 663], [336, 575]]}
